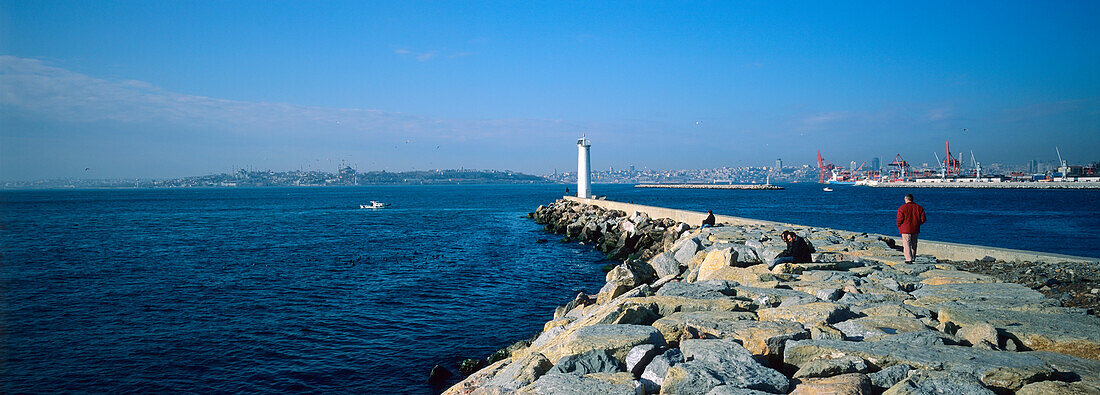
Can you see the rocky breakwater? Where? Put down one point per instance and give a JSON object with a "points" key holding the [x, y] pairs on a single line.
{"points": [[704, 314]]}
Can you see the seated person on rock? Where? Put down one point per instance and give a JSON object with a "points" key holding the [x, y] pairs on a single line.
{"points": [[798, 250], [709, 222]]}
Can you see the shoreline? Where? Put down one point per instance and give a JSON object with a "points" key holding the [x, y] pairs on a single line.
{"points": [[992, 185], [687, 303], [763, 187]]}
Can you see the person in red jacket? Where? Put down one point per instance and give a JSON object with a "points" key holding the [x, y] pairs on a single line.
{"points": [[910, 217]]}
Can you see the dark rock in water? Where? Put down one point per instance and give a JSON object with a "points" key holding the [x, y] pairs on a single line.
{"points": [[609, 267], [595, 361], [439, 374], [540, 241], [470, 365]]}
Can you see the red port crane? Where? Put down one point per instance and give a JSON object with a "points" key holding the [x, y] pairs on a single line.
{"points": [[825, 167]]}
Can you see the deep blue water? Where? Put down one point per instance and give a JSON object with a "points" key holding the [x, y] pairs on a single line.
{"points": [[297, 290]]}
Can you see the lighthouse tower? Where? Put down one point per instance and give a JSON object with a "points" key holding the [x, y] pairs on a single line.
{"points": [[584, 187]]}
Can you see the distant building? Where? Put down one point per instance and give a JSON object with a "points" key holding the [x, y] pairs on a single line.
{"points": [[779, 163], [876, 164], [1033, 166]]}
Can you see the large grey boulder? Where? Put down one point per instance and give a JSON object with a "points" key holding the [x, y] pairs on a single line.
{"points": [[1007, 296], [685, 252], [654, 373], [593, 361], [596, 383], [762, 338], [617, 340], [521, 372], [923, 382], [672, 325], [1005, 370], [886, 378], [665, 265], [770, 297], [731, 390], [832, 367], [1071, 334], [715, 362], [709, 289], [807, 314], [640, 356], [875, 328]]}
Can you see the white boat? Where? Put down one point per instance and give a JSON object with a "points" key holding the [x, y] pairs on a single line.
{"points": [[827, 189], [374, 204]]}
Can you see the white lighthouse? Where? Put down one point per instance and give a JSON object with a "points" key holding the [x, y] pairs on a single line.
{"points": [[584, 187]]}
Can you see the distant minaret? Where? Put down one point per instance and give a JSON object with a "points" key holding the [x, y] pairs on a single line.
{"points": [[583, 185]]}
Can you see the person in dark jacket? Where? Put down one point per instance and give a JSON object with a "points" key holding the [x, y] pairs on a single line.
{"points": [[910, 218], [798, 250], [710, 219]]}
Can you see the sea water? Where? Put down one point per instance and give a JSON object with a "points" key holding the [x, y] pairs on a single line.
{"points": [[299, 290]]}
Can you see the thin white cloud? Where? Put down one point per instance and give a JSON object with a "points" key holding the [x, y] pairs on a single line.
{"points": [[426, 56], [34, 88], [824, 119]]}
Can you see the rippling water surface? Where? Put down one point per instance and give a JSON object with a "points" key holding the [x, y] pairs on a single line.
{"points": [[297, 289]]}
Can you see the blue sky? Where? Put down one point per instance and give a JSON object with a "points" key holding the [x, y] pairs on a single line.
{"points": [[171, 88]]}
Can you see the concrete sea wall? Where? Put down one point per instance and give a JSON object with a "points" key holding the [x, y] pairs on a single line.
{"points": [[706, 311]]}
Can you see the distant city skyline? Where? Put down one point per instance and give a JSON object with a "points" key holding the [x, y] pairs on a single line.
{"points": [[181, 88]]}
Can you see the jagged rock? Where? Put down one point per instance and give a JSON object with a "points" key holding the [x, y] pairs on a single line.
{"points": [[673, 324], [556, 383], [664, 265], [1057, 388], [715, 362], [1005, 370], [845, 384], [617, 340], [761, 338], [731, 390], [756, 275], [922, 382], [685, 252], [508, 351], [941, 277], [886, 378], [1072, 334], [654, 374], [799, 300], [521, 372], [710, 289], [807, 314], [831, 367], [874, 328], [1001, 295], [715, 261], [611, 291], [823, 331], [769, 297], [922, 339], [640, 356], [978, 333], [593, 361], [831, 295], [887, 310], [1084, 371]]}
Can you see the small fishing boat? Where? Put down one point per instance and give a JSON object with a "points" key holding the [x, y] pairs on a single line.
{"points": [[374, 204], [827, 189]]}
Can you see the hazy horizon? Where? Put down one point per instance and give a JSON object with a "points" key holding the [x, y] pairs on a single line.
{"points": [[175, 88]]}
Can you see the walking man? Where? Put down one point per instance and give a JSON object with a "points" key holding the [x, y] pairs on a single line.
{"points": [[910, 217]]}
